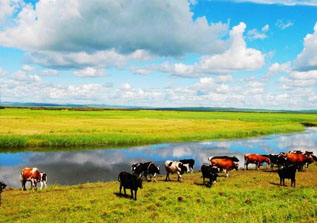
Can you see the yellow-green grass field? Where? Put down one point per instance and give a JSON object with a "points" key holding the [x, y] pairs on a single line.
{"points": [[39, 129], [246, 196]]}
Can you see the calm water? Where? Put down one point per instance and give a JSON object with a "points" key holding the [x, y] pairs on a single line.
{"points": [[68, 168]]}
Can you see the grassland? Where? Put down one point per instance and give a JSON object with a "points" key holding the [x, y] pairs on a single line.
{"points": [[246, 196], [40, 129]]}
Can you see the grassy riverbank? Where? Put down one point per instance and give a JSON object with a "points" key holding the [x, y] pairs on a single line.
{"points": [[246, 196], [22, 128]]}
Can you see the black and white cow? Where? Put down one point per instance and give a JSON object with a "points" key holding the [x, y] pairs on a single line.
{"points": [[2, 186], [175, 167], [190, 162], [145, 169], [129, 181], [210, 172], [287, 172]]}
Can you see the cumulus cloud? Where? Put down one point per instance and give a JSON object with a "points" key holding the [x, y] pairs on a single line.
{"points": [[236, 57], [119, 25], [90, 72], [307, 59], [282, 24]]}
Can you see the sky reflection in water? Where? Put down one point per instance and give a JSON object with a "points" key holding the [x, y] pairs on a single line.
{"points": [[75, 167]]}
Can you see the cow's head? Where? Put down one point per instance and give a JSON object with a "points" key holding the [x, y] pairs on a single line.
{"points": [[2, 186], [43, 176], [134, 166]]}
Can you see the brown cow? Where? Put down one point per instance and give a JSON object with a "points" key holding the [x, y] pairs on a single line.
{"points": [[34, 176], [227, 163], [257, 159], [298, 159]]}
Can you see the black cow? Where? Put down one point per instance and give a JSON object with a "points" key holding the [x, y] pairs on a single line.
{"points": [[2, 186], [190, 162], [287, 173], [148, 168], [209, 171], [274, 160], [130, 181]]}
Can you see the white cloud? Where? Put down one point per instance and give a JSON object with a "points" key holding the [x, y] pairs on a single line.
{"points": [[283, 25], [307, 59], [8, 7], [254, 34], [104, 58], [90, 72], [277, 68], [265, 28], [119, 25], [2, 72], [49, 72], [236, 58], [27, 68]]}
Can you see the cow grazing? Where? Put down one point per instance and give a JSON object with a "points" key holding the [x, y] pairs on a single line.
{"points": [[148, 168], [2, 186], [190, 163], [34, 176], [224, 162], [175, 167], [210, 172], [129, 181], [257, 159], [287, 173]]}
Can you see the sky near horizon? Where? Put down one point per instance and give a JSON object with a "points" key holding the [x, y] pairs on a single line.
{"points": [[160, 53]]}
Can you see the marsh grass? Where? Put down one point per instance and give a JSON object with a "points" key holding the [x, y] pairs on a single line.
{"points": [[26, 128], [246, 196]]}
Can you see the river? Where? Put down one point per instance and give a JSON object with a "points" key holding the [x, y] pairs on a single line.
{"points": [[76, 167]]}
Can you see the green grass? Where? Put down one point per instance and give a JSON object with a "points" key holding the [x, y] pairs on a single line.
{"points": [[40, 129], [246, 196], [29, 129]]}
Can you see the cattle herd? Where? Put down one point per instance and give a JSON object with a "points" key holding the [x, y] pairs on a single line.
{"points": [[287, 164]]}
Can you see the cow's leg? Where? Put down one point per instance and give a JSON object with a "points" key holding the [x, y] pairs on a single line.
{"points": [[280, 181], [120, 188], [227, 173], [204, 180], [41, 185], [135, 192], [145, 175], [167, 176], [154, 177], [131, 193], [23, 182], [125, 193], [179, 176]]}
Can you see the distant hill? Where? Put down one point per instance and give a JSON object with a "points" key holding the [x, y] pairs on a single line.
{"points": [[103, 106]]}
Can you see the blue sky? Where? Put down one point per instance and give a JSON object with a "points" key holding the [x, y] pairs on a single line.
{"points": [[160, 53]]}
